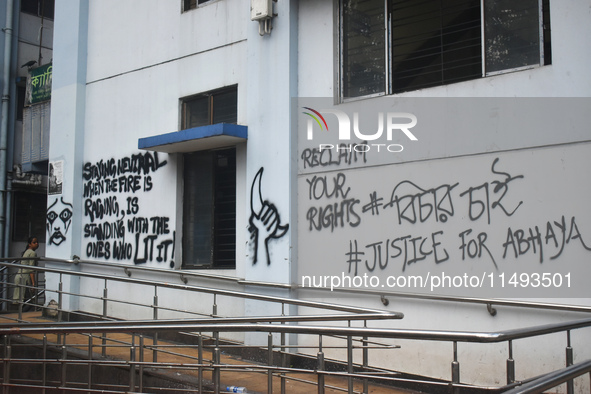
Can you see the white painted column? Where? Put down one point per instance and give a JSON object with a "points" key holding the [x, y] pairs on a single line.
{"points": [[271, 83], [68, 109]]}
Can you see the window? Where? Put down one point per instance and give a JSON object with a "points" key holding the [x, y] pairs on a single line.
{"points": [[209, 200], [218, 106], [44, 8], [192, 4], [392, 46]]}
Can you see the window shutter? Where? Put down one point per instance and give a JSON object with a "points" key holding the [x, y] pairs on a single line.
{"points": [[363, 47], [434, 42], [197, 210]]}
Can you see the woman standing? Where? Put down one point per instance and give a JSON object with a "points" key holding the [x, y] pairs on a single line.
{"points": [[25, 276]]}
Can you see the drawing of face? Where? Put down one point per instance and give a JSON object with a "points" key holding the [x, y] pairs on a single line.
{"points": [[63, 211]]}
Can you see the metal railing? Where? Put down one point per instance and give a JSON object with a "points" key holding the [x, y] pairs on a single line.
{"points": [[138, 349], [33, 295], [153, 286], [553, 379], [185, 276], [208, 364], [207, 330]]}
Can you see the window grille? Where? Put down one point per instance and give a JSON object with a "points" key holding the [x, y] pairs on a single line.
{"points": [[392, 46]]}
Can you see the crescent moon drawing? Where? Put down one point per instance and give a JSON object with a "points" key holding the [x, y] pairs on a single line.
{"points": [[256, 202], [267, 217]]}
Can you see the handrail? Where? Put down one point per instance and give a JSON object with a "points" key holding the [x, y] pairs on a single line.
{"points": [[552, 379], [210, 290], [128, 268], [489, 302], [265, 324], [223, 324], [473, 300], [218, 320]]}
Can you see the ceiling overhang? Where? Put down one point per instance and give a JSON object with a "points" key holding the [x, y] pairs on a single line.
{"points": [[214, 136]]}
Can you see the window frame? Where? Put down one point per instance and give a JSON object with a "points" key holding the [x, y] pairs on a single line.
{"points": [[221, 248], [221, 253], [544, 41], [186, 5], [544, 50], [211, 97]]}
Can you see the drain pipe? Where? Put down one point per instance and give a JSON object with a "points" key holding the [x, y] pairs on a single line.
{"points": [[4, 112], [5, 115]]}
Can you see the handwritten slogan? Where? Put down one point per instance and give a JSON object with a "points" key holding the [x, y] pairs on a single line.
{"points": [[521, 211], [115, 227]]}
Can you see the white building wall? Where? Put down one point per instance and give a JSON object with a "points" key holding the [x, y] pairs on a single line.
{"points": [[420, 162], [175, 55], [28, 44], [67, 145], [142, 60]]}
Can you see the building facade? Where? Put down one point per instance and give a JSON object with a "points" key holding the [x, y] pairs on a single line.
{"points": [[26, 45], [216, 137]]}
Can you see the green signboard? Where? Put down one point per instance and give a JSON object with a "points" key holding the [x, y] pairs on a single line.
{"points": [[39, 84]]}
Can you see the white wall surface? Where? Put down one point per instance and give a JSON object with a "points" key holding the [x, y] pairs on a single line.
{"points": [[154, 32], [567, 77], [139, 96], [134, 96], [271, 66], [67, 134], [141, 62]]}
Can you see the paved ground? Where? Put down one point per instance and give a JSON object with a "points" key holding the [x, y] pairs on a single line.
{"points": [[255, 382]]}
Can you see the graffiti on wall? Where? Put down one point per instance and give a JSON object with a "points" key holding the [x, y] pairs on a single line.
{"points": [[115, 227], [265, 222], [410, 204], [59, 219], [477, 194], [392, 224]]}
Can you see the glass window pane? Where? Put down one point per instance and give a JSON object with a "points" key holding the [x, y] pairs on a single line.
{"points": [[197, 112], [364, 64], [30, 6], [225, 107], [461, 41], [434, 42], [48, 8], [512, 30], [547, 32], [189, 4], [220, 106]]}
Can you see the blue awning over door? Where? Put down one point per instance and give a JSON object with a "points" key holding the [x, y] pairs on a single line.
{"points": [[215, 136]]}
